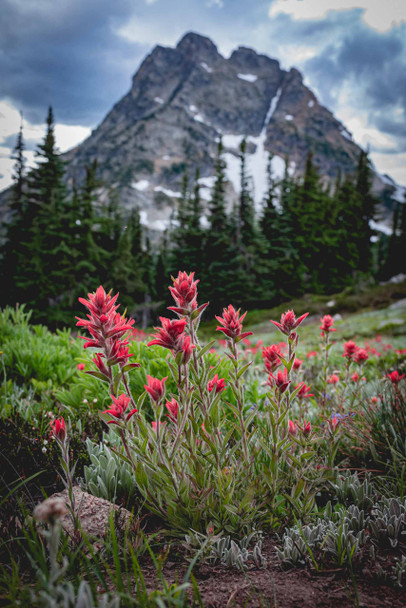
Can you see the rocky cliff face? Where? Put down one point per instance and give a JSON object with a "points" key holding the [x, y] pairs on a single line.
{"points": [[181, 100]]}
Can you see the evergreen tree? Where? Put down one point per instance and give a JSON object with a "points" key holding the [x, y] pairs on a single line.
{"points": [[128, 270], [280, 256], [45, 278], [246, 232], [12, 255], [366, 204], [219, 256]]}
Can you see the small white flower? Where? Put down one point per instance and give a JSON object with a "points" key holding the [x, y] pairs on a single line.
{"points": [[43, 450], [45, 441]]}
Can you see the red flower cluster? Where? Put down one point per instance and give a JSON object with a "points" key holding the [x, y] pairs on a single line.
{"points": [[350, 348], [355, 353], [361, 356], [184, 292], [326, 325], [155, 388], [395, 377], [232, 323], [289, 322], [118, 408], [271, 358], [172, 406], [59, 429], [304, 391], [280, 382], [172, 335], [107, 328], [333, 379], [217, 384]]}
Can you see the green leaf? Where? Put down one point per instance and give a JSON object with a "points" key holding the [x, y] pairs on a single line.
{"points": [[244, 369], [129, 366], [206, 348], [98, 375]]}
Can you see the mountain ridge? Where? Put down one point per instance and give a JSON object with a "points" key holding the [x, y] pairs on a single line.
{"points": [[181, 100]]}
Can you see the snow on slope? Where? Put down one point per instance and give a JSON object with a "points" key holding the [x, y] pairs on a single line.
{"points": [[256, 162]]}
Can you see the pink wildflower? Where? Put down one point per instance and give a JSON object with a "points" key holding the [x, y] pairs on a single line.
{"points": [[395, 377], [184, 292], [306, 428], [304, 391], [355, 377], [168, 335], [297, 364], [59, 429], [186, 347], [292, 428], [217, 384], [280, 382], [326, 324], [173, 407], [289, 322], [157, 425], [80, 366], [350, 348], [361, 356], [155, 388], [333, 422], [333, 379], [106, 327], [311, 354], [271, 358], [118, 408], [232, 323]]}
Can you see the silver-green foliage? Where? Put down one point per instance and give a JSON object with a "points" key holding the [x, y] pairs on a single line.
{"points": [[108, 476], [350, 490], [388, 521], [228, 552], [63, 595], [340, 534], [400, 571]]}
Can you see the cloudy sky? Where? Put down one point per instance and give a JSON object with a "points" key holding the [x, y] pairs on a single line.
{"points": [[79, 56]]}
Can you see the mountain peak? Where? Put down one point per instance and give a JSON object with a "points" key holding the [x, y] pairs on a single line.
{"points": [[193, 43]]}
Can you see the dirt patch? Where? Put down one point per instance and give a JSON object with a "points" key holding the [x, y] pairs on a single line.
{"points": [[275, 587]]}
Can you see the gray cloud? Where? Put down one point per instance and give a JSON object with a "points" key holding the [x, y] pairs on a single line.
{"points": [[374, 64], [69, 53], [67, 56]]}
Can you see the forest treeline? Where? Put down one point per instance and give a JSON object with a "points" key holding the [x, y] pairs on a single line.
{"points": [[308, 237]]}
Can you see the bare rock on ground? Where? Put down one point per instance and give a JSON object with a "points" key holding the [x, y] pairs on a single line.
{"points": [[94, 513]]}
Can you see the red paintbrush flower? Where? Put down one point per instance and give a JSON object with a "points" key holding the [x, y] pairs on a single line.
{"points": [[289, 322], [232, 323]]}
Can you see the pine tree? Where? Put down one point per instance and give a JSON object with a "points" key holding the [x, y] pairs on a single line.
{"points": [[219, 256], [45, 278], [246, 231], [12, 254], [366, 204], [128, 270]]}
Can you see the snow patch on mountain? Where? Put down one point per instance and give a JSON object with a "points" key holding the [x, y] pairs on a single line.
{"points": [[400, 191], [206, 67], [141, 185], [380, 227], [248, 77], [257, 161], [199, 118], [168, 192], [206, 184]]}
